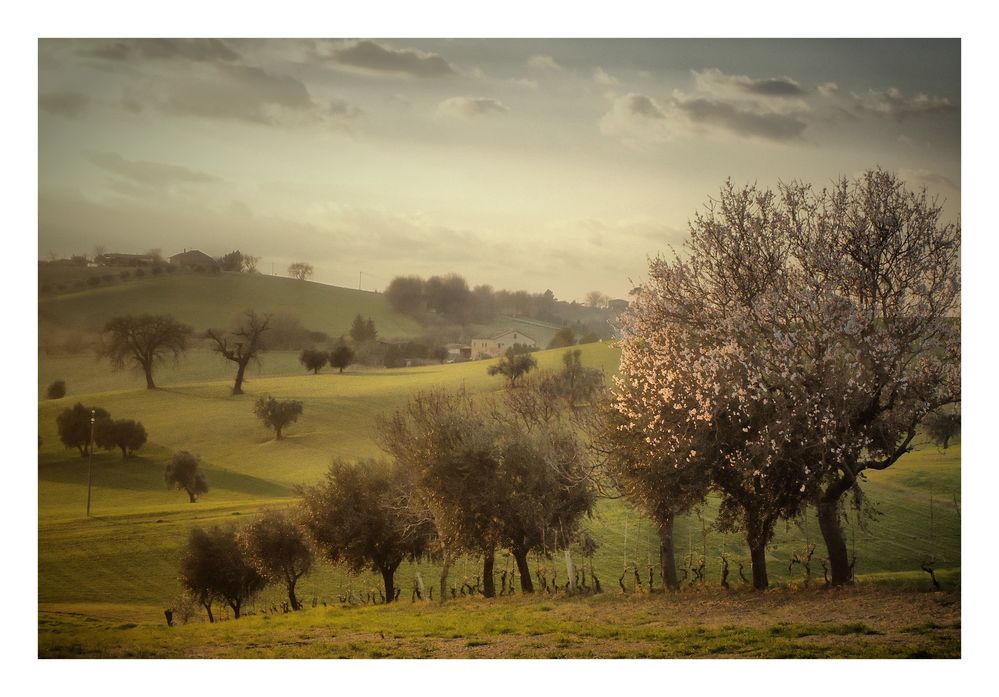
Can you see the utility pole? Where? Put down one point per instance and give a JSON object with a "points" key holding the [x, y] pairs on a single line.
{"points": [[359, 274], [90, 460]]}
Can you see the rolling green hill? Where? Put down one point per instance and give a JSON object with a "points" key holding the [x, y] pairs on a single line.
{"points": [[206, 300], [123, 561]]}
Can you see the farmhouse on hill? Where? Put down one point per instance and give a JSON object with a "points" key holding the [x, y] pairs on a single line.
{"points": [[497, 344], [193, 259]]}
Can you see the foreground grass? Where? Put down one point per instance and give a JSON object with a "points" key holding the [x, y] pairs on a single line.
{"points": [[867, 621]]}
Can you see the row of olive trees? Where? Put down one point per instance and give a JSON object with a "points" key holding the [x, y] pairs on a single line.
{"points": [[802, 339], [463, 478], [82, 427], [230, 566]]}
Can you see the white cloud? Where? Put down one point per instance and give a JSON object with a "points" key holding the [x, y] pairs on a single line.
{"points": [[543, 62], [602, 77]]}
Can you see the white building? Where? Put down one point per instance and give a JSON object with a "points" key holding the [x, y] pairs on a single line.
{"points": [[497, 344]]}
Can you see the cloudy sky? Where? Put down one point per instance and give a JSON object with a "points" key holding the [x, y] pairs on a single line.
{"points": [[527, 164]]}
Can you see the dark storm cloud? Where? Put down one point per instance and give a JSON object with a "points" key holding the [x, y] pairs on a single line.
{"points": [[774, 87], [163, 49], [68, 104], [742, 122], [239, 92], [642, 105], [472, 106], [893, 104], [372, 56], [147, 173]]}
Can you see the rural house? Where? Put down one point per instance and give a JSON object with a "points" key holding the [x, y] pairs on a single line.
{"points": [[193, 259], [497, 344]]}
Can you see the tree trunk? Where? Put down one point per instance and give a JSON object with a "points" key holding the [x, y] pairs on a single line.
{"points": [[570, 570], [526, 584], [445, 568], [235, 610], [238, 387], [277, 429], [150, 385], [191, 495], [832, 533], [211, 617], [758, 554], [488, 583], [341, 370], [667, 555], [124, 453], [292, 598], [388, 578]]}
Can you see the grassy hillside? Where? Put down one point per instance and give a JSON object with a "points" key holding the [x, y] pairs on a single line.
{"points": [[123, 561], [321, 307]]}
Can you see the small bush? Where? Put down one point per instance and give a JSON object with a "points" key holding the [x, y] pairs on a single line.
{"points": [[157, 270], [57, 390], [139, 273], [171, 269], [125, 275], [108, 278], [93, 281]]}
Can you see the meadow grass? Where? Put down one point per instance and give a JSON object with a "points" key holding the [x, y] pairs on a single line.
{"points": [[781, 624], [121, 565]]}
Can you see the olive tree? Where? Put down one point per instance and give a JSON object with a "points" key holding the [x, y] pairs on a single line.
{"points": [[276, 547], [513, 366], [313, 360], [75, 427], [213, 566], [124, 434], [341, 357], [182, 473], [354, 518], [277, 414]]}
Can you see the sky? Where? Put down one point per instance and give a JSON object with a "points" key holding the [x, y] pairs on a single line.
{"points": [[533, 164]]}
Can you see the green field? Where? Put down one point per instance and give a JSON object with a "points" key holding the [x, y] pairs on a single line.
{"points": [[205, 300], [120, 566]]}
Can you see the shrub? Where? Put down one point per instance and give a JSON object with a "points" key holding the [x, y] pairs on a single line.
{"points": [[125, 275], [140, 273], [57, 390], [93, 281]]}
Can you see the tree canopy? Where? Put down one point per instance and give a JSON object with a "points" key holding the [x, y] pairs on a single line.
{"points": [[213, 567], [276, 547], [513, 366], [143, 341], [300, 270], [241, 345], [75, 428], [800, 341], [276, 413], [182, 473], [355, 517]]}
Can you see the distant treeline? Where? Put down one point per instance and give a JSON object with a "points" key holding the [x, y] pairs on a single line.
{"points": [[451, 298]]}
